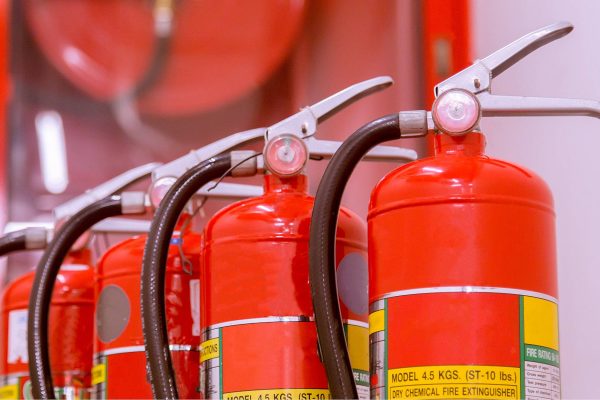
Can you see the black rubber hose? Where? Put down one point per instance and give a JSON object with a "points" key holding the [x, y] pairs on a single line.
{"points": [[14, 241], [43, 285], [154, 323], [156, 67], [323, 227]]}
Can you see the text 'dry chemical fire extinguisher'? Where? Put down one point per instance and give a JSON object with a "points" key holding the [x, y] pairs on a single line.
{"points": [[462, 265], [119, 359], [254, 269]]}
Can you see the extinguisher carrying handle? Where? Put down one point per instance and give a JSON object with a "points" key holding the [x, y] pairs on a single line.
{"points": [[25, 239], [45, 277], [39, 234], [102, 191], [250, 163], [325, 149], [477, 80], [229, 190], [219, 190]]}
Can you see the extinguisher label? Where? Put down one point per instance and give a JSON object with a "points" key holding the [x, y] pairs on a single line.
{"points": [[540, 363], [280, 394], [454, 382], [236, 359], [195, 305], [376, 321], [15, 386], [357, 337], [465, 343], [17, 337], [210, 349], [98, 374], [9, 392]]}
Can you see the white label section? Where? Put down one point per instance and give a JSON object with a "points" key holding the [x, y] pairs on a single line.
{"points": [[364, 392], [195, 305], [542, 382], [17, 336], [74, 267]]}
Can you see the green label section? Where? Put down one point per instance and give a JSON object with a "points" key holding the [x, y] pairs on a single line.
{"points": [[361, 377], [542, 355]]}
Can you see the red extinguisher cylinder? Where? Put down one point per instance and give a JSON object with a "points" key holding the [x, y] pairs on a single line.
{"points": [[463, 287], [70, 331], [119, 370], [259, 338]]}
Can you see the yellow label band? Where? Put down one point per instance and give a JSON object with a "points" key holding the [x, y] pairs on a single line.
{"points": [[358, 347], [541, 322], [9, 392], [209, 349], [454, 382], [279, 394], [376, 321], [98, 374]]}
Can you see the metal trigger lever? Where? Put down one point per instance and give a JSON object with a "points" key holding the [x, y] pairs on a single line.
{"points": [[500, 60], [465, 97], [478, 77], [304, 123]]}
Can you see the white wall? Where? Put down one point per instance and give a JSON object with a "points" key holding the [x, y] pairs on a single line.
{"points": [[564, 151]]}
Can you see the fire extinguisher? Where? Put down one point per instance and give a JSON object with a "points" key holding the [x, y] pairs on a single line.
{"points": [[258, 335], [462, 265], [119, 361], [72, 302], [70, 331], [13, 314]]}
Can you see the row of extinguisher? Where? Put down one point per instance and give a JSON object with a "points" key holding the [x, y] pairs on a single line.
{"points": [[451, 292]]}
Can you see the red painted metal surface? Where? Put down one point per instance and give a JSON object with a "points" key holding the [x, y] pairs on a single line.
{"points": [[446, 41], [254, 276], [119, 358], [446, 45], [457, 242], [220, 49], [5, 93], [70, 328], [462, 208]]}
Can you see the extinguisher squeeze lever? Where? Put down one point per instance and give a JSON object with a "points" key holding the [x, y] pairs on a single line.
{"points": [[465, 97], [118, 183], [304, 123], [102, 191], [29, 238]]}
